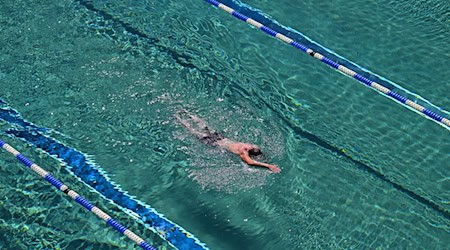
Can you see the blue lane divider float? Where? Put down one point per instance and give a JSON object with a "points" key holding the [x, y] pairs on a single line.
{"points": [[343, 69], [91, 174], [75, 196]]}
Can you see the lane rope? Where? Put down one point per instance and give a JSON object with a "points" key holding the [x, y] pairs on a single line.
{"points": [[95, 177], [341, 68], [76, 197], [264, 18]]}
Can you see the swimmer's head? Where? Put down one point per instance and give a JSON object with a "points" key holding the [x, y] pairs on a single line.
{"points": [[255, 151]]}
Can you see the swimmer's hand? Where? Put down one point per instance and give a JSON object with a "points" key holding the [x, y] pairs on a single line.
{"points": [[246, 158], [274, 168]]}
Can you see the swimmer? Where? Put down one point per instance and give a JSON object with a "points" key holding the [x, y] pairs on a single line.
{"points": [[205, 135]]}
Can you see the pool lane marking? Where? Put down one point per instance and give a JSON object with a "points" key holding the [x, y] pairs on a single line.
{"points": [[94, 176], [76, 197], [372, 84], [371, 170]]}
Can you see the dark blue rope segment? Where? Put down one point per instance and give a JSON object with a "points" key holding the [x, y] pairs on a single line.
{"points": [[239, 16], [24, 160], [299, 46], [55, 182], [397, 97], [433, 115], [363, 79], [146, 246], [330, 62], [116, 225], [85, 203], [2, 143], [269, 30]]}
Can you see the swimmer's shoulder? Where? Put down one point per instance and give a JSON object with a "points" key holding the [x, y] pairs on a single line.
{"points": [[232, 146], [242, 147]]}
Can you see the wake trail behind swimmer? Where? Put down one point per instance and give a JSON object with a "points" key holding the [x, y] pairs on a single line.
{"points": [[198, 127]]}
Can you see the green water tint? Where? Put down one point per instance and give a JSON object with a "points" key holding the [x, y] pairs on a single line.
{"points": [[114, 95]]}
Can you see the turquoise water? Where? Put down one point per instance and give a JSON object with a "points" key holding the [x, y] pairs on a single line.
{"points": [[112, 95]]}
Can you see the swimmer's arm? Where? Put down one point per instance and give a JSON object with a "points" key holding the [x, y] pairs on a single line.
{"points": [[246, 158]]}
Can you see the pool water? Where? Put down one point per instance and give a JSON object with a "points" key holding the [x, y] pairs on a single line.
{"points": [[108, 76]]}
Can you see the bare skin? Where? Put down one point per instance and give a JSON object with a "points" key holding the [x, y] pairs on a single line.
{"points": [[241, 149]]}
